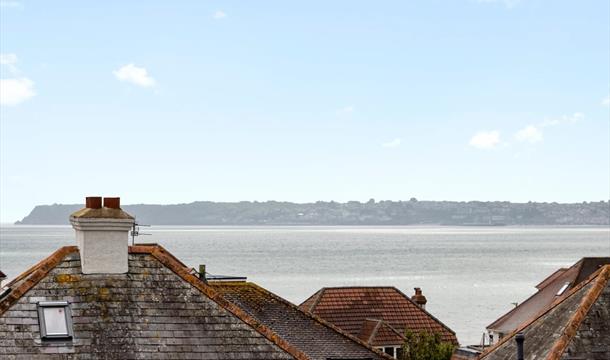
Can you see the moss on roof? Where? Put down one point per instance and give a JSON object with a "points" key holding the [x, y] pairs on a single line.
{"points": [[101, 213]]}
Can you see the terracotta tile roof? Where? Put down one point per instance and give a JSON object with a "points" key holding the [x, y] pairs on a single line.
{"points": [[158, 308], [575, 327], [547, 293], [351, 308], [379, 332], [316, 338]]}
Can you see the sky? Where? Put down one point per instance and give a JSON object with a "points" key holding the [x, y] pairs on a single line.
{"points": [[175, 101]]}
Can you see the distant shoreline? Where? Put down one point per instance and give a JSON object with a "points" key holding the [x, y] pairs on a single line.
{"points": [[353, 213]]}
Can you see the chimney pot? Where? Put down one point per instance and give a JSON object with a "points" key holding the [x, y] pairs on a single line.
{"points": [[102, 236], [419, 298], [93, 202], [112, 202]]}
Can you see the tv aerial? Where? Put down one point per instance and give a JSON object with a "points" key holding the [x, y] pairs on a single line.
{"points": [[135, 231]]}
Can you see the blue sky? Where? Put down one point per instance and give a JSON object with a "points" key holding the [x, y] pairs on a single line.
{"points": [[176, 101]]}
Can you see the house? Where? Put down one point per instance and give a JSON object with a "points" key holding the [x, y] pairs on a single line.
{"points": [[310, 334], [576, 326], [105, 299], [379, 316], [554, 288]]}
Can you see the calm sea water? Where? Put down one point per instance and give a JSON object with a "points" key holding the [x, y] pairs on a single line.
{"points": [[470, 275]]}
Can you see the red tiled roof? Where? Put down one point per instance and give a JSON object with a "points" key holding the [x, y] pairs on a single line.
{"points": [[379, 332], [547, 293], [313, 336], [549, 333], [351, 308]]}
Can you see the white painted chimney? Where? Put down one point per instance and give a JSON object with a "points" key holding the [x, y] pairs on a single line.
{"points": [[102, 235]]}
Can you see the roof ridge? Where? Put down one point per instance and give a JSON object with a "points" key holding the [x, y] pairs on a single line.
{"points": [[170, 261], [33, 275], [557, 273], [425, 312], [579, 315], [359, 287], [544, 312], [374, 332], [315, 317], [538, 291], [389, 326], [318, 296]]}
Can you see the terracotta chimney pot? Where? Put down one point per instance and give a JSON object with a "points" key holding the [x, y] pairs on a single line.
{"points": [[93, 202], [419, 298], [112, 202]]}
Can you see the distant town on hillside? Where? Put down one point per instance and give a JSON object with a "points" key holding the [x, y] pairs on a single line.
{"points": [[411, 212]]}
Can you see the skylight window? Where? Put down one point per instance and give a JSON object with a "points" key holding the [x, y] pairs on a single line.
{"points": [[563, 289], [55, 320]]}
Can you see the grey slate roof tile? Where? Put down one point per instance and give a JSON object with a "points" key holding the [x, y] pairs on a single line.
{"points": [[151, 312]]}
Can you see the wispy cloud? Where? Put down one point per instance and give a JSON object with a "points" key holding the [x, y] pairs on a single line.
{"points": [[219, 15], [392, 144], [485, 139], [10, 4], [509, 4], [530, 134], [606, 101], [135, 75], [346, 109], [533, 133], [9, 61], [16, 89], [564, 119]]}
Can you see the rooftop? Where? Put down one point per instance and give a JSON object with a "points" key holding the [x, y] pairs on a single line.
{"points": [[159, 309], [316, 338], [551, 289], [575, 327], [353, 308]]}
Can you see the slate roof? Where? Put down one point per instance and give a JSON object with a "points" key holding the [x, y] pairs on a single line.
{"points": [[158, 310], [352, 308], [575, 327], [547, 293], [313, 336]]}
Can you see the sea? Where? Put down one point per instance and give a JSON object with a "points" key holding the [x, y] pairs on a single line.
{"points": [[470, 275]]}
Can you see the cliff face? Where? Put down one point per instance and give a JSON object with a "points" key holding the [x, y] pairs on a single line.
{"points": [[351, 213], [55, 214]]}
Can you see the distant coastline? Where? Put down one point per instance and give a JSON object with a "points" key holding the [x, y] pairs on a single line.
{"points": [[412, 212]]}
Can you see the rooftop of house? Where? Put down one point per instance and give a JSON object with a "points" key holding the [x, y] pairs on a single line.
{"points": [[161, 309], [378, 333], [354, 309], [553, 288], [577, 326], [295, 326]]}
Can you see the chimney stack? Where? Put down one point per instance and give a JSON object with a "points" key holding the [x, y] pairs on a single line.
{"points": [[419, 298], [102, 235]]}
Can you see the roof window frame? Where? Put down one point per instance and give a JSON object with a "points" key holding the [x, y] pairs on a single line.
{"points": [[563, 289], [44, 335]]}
